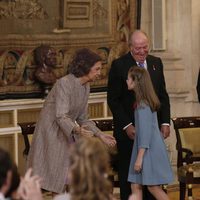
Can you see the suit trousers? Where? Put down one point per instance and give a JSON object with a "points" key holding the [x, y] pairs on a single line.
{"points": [[124, 148]]}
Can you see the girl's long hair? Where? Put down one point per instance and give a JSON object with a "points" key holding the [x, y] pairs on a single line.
{"points": [[89, 163], [144, 90]]}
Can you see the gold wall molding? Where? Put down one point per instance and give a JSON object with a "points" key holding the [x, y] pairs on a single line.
{"points": [[64, 40]]}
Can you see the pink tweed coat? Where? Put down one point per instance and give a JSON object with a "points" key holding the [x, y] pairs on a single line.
{"points": [[49, 153]]}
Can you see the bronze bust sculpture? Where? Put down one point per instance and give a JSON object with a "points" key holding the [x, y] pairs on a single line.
{"points": [[45, 58]]}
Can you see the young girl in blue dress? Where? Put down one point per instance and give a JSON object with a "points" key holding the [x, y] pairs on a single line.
{"points": [[149, 160]]}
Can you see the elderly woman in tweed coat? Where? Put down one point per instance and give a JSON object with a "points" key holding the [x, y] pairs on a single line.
{"points": [[63, 120]]}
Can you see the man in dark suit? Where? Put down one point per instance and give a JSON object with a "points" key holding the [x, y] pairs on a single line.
{"points": [[121, 102]]}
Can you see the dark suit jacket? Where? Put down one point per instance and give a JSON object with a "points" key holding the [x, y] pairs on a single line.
{"points": [[121, 100]]}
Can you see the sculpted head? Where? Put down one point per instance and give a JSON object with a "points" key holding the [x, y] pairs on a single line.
{"points": [[45, 55]]}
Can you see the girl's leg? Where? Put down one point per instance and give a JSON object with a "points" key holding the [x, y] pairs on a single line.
{"points": [[158, 192], [136, 191]]}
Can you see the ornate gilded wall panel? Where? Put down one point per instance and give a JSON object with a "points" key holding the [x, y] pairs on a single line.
{"points": [[77, 13], [6, 119], [28, 115], [101, 25], [95, 110], [109, 112], [23, 9], [7, 143]]}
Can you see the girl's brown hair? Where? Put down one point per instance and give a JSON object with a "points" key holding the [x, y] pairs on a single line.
{"points": [[89, 163], [144, 88]]}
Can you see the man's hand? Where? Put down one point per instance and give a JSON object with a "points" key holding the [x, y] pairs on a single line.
{"points": [[165, 129], [130, 130]]}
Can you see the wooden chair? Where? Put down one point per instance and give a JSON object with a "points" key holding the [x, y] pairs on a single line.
{"points": [[188, 146], [27, 129], [107, 126]]}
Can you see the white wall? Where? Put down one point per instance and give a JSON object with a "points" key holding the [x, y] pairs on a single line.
{"points": [[181, 58]]}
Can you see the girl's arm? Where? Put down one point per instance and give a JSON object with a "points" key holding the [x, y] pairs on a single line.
{"points": [[139, 160]]}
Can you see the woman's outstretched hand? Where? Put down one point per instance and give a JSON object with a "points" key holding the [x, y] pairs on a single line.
{"points": [[83, 131], [108, 139]]}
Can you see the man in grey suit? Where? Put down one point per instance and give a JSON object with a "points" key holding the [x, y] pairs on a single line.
{"points": [[121, 102]]}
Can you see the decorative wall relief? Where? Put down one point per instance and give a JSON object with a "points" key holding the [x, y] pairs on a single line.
{"points": [[21, 9], [89, 20], [107, 55], [101, 25], [99, 10], [77, 13], [123, 19], [17, 74]]}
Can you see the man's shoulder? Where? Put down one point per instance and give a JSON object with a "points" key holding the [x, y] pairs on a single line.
{"points": [[123, 57], [152, 57], [123, 60]]}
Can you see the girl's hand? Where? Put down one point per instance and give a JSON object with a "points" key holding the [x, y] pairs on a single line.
{"points": [[139, 160], [108, 139], [138, 165]]}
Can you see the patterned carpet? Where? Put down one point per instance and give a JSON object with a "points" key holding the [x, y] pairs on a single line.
{"points": [[173, 195]]}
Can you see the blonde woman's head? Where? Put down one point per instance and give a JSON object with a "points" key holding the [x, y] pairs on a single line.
{"points": [[89, 163]]}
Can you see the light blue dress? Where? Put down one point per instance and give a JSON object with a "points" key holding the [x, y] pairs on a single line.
{"points": [[156, 169]]}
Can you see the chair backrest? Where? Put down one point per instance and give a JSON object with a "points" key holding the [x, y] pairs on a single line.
{"points": [[104, 124], [107, 126], [188, 139], [27, 129]]}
